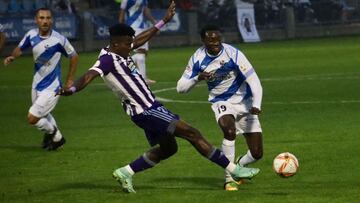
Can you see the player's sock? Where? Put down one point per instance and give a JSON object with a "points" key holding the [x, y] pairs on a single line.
{"points": [[139, 59], [228, 148], [219, 158], [247, 159], [57, 137], [142, 163], [45, 126], [51, 119]]}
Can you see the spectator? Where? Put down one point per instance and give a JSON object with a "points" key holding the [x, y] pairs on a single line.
{"points": [[63, 6]]}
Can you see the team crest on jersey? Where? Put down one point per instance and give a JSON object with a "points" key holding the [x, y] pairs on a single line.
{"points": [[132, 67], [222, 62]]}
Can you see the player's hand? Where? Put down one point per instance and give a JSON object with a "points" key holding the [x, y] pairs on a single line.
{"points": [[255, 111], [8, 60], [69, 83], [66, 92], [205, 76], [170, 12]]}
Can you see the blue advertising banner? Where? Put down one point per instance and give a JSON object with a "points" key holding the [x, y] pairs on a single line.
{"points": [[16, 27], [102, 23]]}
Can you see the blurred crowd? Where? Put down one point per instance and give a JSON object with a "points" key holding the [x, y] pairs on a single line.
{"points": [[267, 12], [30, 6]]}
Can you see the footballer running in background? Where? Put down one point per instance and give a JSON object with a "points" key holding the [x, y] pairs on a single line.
{"points": [[160, 126], [47, 47], [133, 13], [235, 93]]}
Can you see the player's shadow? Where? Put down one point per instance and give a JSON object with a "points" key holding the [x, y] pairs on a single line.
{"points": [[166, 183]]}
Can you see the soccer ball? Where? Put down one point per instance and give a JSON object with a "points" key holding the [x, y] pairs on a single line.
{"points": [[285, 164]]}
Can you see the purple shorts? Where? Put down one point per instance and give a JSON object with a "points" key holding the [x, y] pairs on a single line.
{"points": [[156, 121]]}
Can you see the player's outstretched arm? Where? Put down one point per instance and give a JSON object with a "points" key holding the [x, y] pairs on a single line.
{"points": [[16, 53], [80, 83], [72, 69], [149, 33]]}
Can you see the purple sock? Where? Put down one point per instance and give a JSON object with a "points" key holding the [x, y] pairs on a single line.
{"points": [[142, 163], [219, 158]]}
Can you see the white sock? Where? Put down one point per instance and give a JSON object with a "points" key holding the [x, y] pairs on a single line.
{"points": [[228, 148], [51, 119], [129, 169], [231, 167], [45, 126], [58, 135], [139, 59], [247, 159]]}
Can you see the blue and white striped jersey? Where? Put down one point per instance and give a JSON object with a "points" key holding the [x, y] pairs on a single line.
{"points": [[134, 13], [234, 79], [47, 54], [121, 76]]}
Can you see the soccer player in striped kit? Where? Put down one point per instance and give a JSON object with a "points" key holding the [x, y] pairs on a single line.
{"points": [[235, 93], [47, 47], [119, 72], [133, 13]]}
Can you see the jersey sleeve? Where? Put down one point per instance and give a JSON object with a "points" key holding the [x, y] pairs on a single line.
{"points": [[252, 79], [103, 65], [69, 49], [123, 4], [25, 42], [245, 66], [189, 78]]}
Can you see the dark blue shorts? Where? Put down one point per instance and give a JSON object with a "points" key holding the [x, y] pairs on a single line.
{"points": [[156, 121]]}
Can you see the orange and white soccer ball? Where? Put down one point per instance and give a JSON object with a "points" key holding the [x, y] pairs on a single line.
{"points": [[285, 164]]}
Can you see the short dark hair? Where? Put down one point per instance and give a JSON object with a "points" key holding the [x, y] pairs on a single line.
{"points": [[42, 9], [121, 29], [208, 27]]}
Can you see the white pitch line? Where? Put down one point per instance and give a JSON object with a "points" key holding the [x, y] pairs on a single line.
{"points": [[161, 99]]}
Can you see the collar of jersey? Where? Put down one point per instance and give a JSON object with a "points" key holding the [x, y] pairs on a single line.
{"points": [[214, 56], [45, 37]]}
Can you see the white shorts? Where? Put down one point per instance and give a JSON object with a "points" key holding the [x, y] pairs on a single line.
{"points": [[43, 102], [244, 121], [144, 46]]}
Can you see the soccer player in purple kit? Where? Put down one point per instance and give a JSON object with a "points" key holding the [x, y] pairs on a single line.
{"points": [[119, 72]]}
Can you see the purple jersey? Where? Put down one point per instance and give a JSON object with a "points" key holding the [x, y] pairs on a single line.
{"points": [[122, 77]]}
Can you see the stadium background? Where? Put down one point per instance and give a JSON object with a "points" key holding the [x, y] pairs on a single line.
{"points": [[310, 108], [86, 22]]}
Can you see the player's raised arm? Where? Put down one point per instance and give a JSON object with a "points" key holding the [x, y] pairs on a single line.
{"points": [[149, 33], [80, 83]]}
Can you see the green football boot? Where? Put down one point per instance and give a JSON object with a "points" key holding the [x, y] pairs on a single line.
{"points": [[124, 178], [241, 172]]}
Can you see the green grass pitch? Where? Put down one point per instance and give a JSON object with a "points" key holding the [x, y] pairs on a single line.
{"points": [[311, 108]]}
